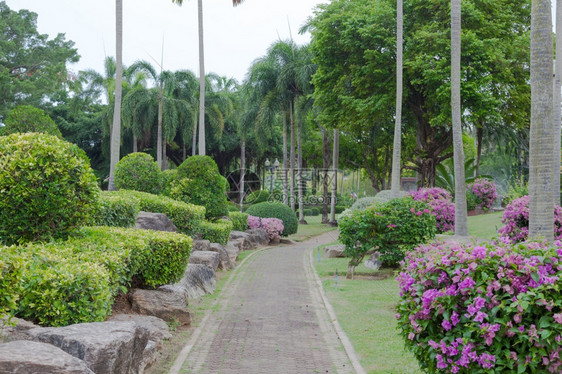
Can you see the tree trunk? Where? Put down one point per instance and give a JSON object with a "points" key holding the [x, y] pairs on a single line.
{"points": [[541, 206], [201, 82], [292, 157], [164, 157], [135, 144], [194, 140], [335, 182], [557, 108], [159, 131], [299, 170], [479, 136], [461, 222], [116, 127], [326, 165], [395, 184], [285, 165], [242, 171], [184, 152]]}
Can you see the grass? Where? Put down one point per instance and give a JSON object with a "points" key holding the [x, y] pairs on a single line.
{"points": [[313, 228], [485, 226]]}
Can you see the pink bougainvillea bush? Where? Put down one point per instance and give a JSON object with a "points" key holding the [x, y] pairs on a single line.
{"points": [[273, 226], [516, 220], [493, 308], [442, 207], [485, 192]]}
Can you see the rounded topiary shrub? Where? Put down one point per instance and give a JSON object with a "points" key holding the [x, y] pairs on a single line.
{"points": [[26, 118], [486, 308], [363, 203], [47, 188], [199, 182], [276, 210], [258, 196], [138, 171]]}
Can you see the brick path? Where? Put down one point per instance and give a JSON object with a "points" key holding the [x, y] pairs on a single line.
{"points": [[270, 320]]}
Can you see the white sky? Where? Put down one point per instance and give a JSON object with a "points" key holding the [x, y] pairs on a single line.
{"points": [[234, 37]]}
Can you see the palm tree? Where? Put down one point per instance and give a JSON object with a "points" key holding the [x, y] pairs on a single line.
{"points": [[395, 185], [541, 207], [116, 128], [335, 163], [202, 73], [557, 102]]}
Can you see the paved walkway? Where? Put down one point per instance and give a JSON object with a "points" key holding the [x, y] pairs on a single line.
{"points": [[270, 319]]}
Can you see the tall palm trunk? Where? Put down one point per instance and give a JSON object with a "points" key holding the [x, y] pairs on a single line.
{"points": [[135, 144], [326, 165], [201, 82], [541, 207], [116, 127], [395, 185], [159, 131], [242, 171], [461, 222], [557, 102], [285, 165], [299, 169], [194, 139], [292, 155], [336, 156], [164, 157]]}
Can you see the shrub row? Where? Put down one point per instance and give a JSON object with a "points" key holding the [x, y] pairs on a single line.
{"points": [[116, 210], [75, 281], [239, 221], [216, 232]]}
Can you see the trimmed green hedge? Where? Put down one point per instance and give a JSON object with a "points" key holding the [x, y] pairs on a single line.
{"points": [[186, 217], [116, 211], [11, 271], [239, 221], [276, 210], [216, 232], [138, 171]]}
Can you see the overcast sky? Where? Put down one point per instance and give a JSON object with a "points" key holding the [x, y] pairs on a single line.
{"points": [[234, 37]]}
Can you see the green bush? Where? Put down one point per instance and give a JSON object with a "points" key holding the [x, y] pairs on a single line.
{"points": [[26, 118], [276, 210], [138, 171], [116, 211], [258, 196], [166, 179], [392, 229], [199, 182], [470, 200], [47, 188], [363, 203], [232, 207], [216, 232], [11, 271], [239, 221], [186, 217]]}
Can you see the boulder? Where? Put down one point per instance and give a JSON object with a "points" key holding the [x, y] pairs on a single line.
{"points": [[149, 355], [161, 303], [157, 328], [259, 236], [225, 263], [374, 262], [245, 239], [106, 347], [16, 329], [27, 357], [333, 251], [154, 221], [197, 281], [200, 245], [207, 258], [233, 250]]}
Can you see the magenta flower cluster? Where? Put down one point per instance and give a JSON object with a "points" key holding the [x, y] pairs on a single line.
{"points": [[516, 220], [442, 207], [483, 308], [273, 226], [485, 192]]}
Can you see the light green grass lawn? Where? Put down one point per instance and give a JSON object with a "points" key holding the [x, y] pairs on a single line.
{"points": [[485, 226], [313, 228]]}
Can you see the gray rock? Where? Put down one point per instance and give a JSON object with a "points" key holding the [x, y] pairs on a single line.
{"points": [[333, 251], [259, 236], [201, 245], [161, 303], [225, 263], [26, 357], [197, 281], [106, 347], [157, 328], [154, 221], [149, 355], [245, 238], [373, 262], [16, 329], [207, 258], [233, 250]]}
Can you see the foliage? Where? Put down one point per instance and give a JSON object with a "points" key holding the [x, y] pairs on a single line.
{"points": [[138, 171], [385, 196], [516, 220], [483, 308], [276, 210], [485, 192], [26, 118], [517, 189], [471, 202], [392, 229], [273, 226], [258, 196], [116, 211], [166, 178], [363, 203], [216, 232], [239, 221], [11, 271], [186, 217], [47, 188], [200, 183], [441, 206], [445, 177]]}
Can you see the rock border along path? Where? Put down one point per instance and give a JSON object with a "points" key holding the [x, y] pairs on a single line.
{"points": [[271, 317]]}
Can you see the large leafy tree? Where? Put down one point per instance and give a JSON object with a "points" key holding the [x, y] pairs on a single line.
{"points": [[32, 67]]}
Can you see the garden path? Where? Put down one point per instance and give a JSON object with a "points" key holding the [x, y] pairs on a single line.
{"points": [[270, 319]]}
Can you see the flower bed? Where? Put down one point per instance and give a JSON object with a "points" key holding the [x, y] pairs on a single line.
{"points": [[273, 226], [441, 205]]}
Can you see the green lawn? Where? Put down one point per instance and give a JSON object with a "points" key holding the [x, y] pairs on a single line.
{"points": [[313, 228], [485, 226]]}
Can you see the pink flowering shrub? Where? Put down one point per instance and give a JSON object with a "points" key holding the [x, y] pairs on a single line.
{"points": [[485, 192], [492, 308], [516, 220], [442, 207], [273, 226]]}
